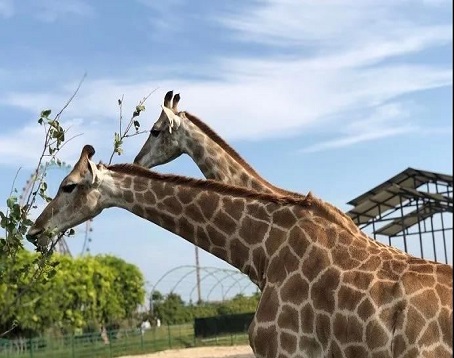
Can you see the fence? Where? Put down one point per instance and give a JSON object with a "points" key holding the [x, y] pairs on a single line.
{"points": [[223, 324], [122, 342]]}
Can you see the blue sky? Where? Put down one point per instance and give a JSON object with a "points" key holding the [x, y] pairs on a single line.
{"points": [[333, 97]]}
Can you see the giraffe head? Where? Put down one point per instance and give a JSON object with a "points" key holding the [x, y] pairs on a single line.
{"points": [[163, 143], [77, 200]]}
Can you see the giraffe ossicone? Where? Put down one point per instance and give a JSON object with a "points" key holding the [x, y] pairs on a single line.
{"points": [[327, 290]]}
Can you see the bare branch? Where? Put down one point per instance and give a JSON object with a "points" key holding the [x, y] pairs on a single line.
{"points": [[72, 96], [136, 133]]}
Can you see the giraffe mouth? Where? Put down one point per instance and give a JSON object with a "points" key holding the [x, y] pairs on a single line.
{"points": [[33, 236], [39, 239]]}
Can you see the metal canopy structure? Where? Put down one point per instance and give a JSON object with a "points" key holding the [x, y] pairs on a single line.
{"points": [[412, 203]]}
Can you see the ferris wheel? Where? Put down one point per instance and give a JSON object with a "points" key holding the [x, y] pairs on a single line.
{"points": [[61, 246]]}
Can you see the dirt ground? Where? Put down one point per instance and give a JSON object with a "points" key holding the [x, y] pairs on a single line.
{"points": [[201, 352]]}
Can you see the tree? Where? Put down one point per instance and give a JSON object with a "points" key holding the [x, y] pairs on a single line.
{"points": [[239, 304], [172, 310], [84, 291], [128, 283]]}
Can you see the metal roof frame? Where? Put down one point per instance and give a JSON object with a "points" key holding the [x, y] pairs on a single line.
{"points": [[402, 205], [388, 195], [409, 178]]}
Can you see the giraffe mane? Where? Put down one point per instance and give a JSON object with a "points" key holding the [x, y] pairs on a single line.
{"points": [[137, 170], [232, 152], [323, 209]]}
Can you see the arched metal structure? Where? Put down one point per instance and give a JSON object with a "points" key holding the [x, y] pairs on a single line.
{"points": [[219, 275], [62, 246], [209, 272], [237, 277], [242, 288], [183, 278]]}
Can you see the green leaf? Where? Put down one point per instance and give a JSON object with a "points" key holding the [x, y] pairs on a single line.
{"points": [[46, 113], [11, 201], [139, 108], [53, 123], [51, 273]]}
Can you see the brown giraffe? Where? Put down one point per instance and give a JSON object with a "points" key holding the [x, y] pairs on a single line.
{"points": [[327, 290], [175, 133]]}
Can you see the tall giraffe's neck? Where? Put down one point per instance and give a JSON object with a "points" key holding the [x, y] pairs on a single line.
{"points": [[218, 161], [233, 224]]}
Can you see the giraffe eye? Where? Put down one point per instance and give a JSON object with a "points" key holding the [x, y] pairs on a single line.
{"points": [[68, 188], [155, 132]]}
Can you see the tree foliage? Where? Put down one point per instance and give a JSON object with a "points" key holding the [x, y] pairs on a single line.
{"points": [[84, 291], [171, 309]]}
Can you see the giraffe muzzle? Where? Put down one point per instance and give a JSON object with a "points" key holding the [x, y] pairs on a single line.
{"points": [[33, 235]]}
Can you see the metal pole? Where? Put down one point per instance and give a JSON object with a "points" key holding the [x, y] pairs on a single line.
{"points": [[433, 237], [197, 267]]}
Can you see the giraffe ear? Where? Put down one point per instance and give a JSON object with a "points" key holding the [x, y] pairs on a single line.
{"points": [[94, 172], [174, 119]]}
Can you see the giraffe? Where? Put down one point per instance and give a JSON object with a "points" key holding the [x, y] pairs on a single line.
{"points": [[327, 290], [175, 133]]}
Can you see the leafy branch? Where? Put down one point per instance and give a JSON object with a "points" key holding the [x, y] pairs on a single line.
{"points": [[15, 220], [121, 135]]}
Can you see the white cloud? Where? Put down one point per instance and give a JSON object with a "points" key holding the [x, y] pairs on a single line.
{"points": [[385, 121], [6, 8], [406, 43], [261, 99], [295, 22], [163, 19], [357, 138], [51, 10], [46, 10], [276, 96], [325, 25]]}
